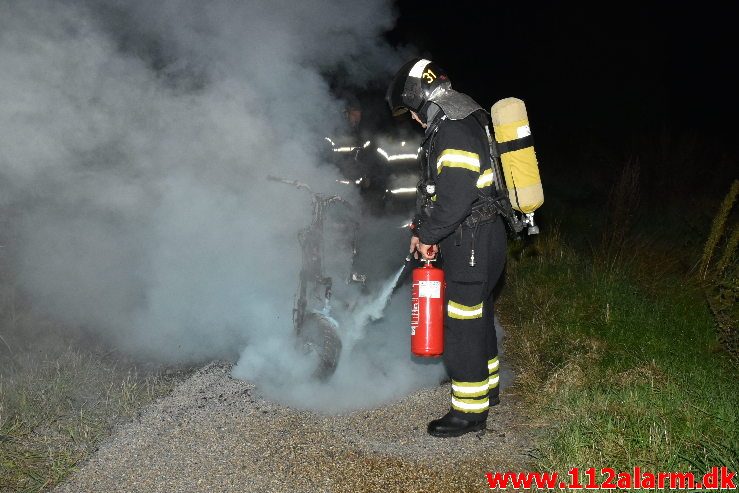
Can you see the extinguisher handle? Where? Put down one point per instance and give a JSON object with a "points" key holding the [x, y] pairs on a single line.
{"points": [[432, 251]]}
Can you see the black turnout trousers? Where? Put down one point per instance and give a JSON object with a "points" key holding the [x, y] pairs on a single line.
{"points": [[470, 344]]}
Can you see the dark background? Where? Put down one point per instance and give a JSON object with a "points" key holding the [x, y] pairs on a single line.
{"points": [[605, 83]]}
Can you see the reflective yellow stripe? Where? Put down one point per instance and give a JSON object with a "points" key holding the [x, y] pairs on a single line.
{"points": [[493, 364], [464, 312], [470, 389], [470, 406], [454, 158], [480, 393], [469, 384], [486, 179], [493, 382]]}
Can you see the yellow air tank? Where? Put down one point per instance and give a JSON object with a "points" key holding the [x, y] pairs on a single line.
{"points": [[518, 159]]}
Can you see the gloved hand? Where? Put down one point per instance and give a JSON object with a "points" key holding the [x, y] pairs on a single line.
{"points": [[427, 251]]}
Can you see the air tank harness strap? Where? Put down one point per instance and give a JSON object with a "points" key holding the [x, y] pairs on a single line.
{"points": [[514, 145]]}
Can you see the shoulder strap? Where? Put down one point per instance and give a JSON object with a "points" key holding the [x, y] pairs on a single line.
{"points": [[428, 145], [482, 117]]}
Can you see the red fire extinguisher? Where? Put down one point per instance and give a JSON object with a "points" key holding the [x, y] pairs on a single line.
{"points": [[427, 311]]}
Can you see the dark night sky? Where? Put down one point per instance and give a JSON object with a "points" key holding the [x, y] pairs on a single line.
{"points": [[604, 83], [608, 65]]}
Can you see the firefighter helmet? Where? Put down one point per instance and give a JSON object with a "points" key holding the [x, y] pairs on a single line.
{"points": [[414, 85]]}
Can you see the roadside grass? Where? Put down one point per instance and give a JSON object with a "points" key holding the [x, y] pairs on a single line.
{"points": [[619, 360], [61, 392], [57, 403]]}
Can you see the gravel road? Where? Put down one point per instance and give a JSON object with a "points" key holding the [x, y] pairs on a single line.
{"points": [[214, 433]]}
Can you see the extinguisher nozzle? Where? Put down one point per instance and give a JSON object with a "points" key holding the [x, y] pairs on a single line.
{"points": [[404, 271]]}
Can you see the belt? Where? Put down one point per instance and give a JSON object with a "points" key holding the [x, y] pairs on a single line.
{"points": [[482, 213]]}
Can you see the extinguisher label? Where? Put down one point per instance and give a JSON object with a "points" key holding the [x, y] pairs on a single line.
{"points": [[429, 289], [415, 316]]}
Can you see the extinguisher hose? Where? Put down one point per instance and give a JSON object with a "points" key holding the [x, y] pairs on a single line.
{"points": [[472, 250]]}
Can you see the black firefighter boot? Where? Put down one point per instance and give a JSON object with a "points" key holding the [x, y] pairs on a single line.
{"points": [[452, 426]]}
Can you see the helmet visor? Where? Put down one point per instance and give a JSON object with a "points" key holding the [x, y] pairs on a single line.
{"points": [[404, 92], [394, 96]]}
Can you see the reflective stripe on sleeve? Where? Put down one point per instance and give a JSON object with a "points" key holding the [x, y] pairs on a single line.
{"points": [[493, 364], [454, 158], [464, 312], [486, 179]]}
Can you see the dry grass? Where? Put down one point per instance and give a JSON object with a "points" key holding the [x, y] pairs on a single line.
{"points": [[55, 409], [718, 232], [60, 395], [728, 257], [623, 209], [721, 279]]}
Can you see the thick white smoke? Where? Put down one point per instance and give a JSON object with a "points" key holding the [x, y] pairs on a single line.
{"points": [[135, 141]]}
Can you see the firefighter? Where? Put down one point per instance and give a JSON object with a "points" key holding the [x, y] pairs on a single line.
{"points": [[355, 155], [456, 182]]}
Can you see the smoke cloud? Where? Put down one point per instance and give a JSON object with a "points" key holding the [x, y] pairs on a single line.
{"points": [[135, 142]]}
